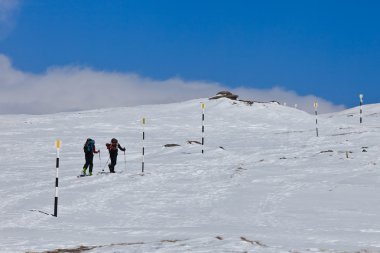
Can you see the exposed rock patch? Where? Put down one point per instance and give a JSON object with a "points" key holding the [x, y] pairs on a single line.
{"points": [[192, 142], [225, 94], [230, 95], [171, 145]]}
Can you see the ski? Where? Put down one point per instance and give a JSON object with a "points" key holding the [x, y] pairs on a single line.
{"points": [[107, 173], [99, 173], [83, 175]]}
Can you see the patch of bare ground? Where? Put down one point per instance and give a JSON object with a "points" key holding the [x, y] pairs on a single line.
{"points": [[172, 241], [83, 248], [253, 242]]}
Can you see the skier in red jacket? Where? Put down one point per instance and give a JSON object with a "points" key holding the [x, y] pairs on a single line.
{"points": [[113, 148]]}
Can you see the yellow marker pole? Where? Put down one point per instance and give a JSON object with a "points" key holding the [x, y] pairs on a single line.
{"points": [[143, 148], [203, 126], [316, 117], [58, 147]]}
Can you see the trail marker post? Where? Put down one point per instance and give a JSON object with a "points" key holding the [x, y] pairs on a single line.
{"points": [[143, 145], [58, 146], [316, 117], [203, 127], [361, 108]]}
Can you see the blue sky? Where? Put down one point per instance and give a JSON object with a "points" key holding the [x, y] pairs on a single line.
{"points": [[328, 49]]}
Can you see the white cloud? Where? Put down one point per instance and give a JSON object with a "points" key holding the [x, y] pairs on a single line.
{"points": [[76, 88], [7, 11], [291, 98]]}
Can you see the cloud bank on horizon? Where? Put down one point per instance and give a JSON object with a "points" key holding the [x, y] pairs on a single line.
{"points": [[72, 88]]}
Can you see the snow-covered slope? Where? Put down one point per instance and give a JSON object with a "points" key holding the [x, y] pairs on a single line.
{"points": [[265, 183]]}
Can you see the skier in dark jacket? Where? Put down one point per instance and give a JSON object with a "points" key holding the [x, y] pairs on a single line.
{"points": [[113, 150], [89, 150]]}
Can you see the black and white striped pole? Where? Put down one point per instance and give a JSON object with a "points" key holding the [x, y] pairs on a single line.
{"points": [[316, 116], [361, 108], [203, 127], [143, 145], [58, 146]]}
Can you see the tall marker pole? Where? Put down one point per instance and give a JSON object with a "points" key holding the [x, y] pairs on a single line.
{"points": [[58, 146], [203, 127], [143, 148], [316, 116], [361, 108]]}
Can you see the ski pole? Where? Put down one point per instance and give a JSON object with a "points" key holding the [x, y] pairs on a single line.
{"points": [[100, 161], [125, 162], [105, 164]]}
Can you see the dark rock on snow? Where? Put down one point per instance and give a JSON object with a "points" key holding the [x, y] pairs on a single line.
{"points": [[171, 145]]}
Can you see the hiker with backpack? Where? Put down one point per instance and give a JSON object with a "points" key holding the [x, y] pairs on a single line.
{"points": [[89, 151], [113, 148]]}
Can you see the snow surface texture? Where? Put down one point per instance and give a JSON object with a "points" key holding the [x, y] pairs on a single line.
{"points": [[265, 183]]}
